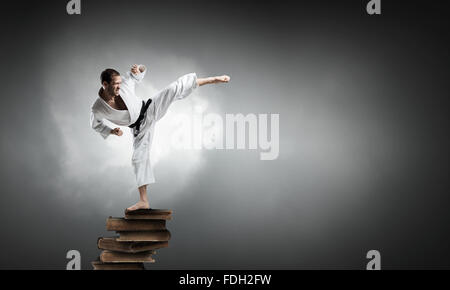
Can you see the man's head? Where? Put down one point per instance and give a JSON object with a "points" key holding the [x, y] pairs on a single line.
{"points": [[111, 80]]}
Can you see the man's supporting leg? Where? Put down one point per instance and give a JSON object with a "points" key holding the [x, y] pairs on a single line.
{"points": [[143, 201], [142, 165]]}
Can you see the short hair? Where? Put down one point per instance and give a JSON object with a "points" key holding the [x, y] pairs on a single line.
{"points": [[108, 74]]}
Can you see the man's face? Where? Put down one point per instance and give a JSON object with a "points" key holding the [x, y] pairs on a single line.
{"points": [[114, 86]]}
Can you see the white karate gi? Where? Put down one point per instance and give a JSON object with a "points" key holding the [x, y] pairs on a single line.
{"points": [[161, 101]]}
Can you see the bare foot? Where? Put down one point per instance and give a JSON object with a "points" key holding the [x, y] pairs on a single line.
{"points": [[139, 205], [221, 79]]}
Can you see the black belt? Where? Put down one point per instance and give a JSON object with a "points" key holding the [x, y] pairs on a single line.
{"points": [[138, 122]]}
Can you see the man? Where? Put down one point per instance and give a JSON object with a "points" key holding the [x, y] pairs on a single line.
{"points": [[118, 103]]}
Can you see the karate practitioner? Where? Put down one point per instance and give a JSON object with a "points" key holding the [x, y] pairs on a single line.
{"points": [[118, 103]]}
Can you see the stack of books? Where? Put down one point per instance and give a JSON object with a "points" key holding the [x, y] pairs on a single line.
{"points": [[139, 234]]}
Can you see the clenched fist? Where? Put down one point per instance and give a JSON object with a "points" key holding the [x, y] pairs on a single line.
{"points": [[117, 131], [135, 69]]}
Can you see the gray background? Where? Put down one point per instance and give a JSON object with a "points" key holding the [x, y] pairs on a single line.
{"points": [[363, 104]]}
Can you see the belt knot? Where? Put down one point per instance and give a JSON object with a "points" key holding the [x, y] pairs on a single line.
{"points": [[142, 114]]}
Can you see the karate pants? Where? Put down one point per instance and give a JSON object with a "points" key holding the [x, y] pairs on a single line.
{"points": [[142, 143]]}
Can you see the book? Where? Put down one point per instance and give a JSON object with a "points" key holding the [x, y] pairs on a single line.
{"points": [[98, 265], [164, 214], [145, 236], [121, 224], [118, 257], [140, 233], [111, 243]]}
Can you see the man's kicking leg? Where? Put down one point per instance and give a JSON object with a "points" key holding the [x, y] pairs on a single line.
{"points": [[157, 109], [213, 80]]}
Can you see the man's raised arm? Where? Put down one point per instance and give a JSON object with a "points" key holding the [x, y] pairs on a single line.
{"points": [[137, 72]]}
